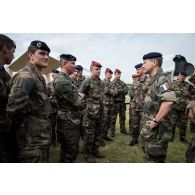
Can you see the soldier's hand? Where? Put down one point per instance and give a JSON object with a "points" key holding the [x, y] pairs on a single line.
{"points": [[151, 124], [81, 95]]}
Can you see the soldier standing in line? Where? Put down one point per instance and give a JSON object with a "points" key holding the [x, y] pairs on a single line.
{"points": [[54, 106], [108, 103], [7, 49], [156, 128], [28, 106], [183, 93], [69, 105], [74, 76], [190, 153], [93, 90], [139, 90], [119, 104], [81, 78]]}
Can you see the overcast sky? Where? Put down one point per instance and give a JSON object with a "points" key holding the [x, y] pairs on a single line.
{"points": [[112, 50]]}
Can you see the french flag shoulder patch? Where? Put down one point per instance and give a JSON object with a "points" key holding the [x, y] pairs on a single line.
{"points": [[164, 87]]}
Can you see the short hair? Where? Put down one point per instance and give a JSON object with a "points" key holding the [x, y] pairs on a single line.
{"points": [[6, 41], [159, 61]]}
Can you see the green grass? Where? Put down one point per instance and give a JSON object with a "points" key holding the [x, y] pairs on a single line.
{"points": [[118, 151]]}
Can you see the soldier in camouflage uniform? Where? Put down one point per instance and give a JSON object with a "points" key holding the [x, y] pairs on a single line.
{"points": [[119, 104], [54, 106], [190, 153], [183, 93], [69, 104], [156, 128], [81, 78], [108, 103], [74, 76], [93, 90], [28, 106], [7, 49], [139, 90]]}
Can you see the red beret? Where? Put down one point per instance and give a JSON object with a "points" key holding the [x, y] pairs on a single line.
{"points": [[117, 70], [96, 64], [109, 70]]}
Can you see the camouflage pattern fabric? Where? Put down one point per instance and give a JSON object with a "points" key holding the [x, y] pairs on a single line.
{"points": [[155, 141], [139, 90], [28, 110], [119, 105], [108, 103], [54, 111], [69, 117], [93, 90], [183, 92], [4, 127], [80, 81]]}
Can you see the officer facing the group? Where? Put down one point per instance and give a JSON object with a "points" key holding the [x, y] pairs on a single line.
{"points": [[158, 102], [29, 108], [69, 105], [7, 49]]}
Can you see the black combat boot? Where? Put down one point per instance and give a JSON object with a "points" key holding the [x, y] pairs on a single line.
{"points": [[99, 154], [107, 138], [133, 142], [112, 134], [90, 158]]}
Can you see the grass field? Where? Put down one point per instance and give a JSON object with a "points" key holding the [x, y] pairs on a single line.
{"points": [[118, 151]]}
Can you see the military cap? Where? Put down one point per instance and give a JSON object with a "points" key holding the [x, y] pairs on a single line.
{"points": [[96, 64], [139, 65], [79, 67], [117, 70], [68, 57], [109, 70], [152, 55], [55, 71], [183, 72], [40, 45], [4, 39]]}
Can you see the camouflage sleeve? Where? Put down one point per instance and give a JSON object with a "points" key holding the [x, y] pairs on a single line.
{"points": [[131, 91], [85, 86], [69, 92], [126, 89], [166, 90], [20, 88]]}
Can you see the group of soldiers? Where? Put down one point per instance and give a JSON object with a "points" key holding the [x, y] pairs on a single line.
{"points": [[35, 115]]}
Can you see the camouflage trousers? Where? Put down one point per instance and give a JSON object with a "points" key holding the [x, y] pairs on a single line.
{"points": [[34, 155], [119, 108], [155, 141], [106, 119], [190, 153], [180, 121], [68, 127], [92, 135], [135, 123]]}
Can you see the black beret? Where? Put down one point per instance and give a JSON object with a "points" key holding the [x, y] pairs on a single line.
{"points": [[152, 55], [40, 45], [139, 65], [4, 38], [68, 57], [55, 71], [79, 67], [183, 72]]}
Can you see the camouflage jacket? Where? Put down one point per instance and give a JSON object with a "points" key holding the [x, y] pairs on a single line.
{"points": [[52, 98], [192, 80], [122, 90], [93, 90], [183, 93], [28, 108], [66, 93], [160, 90], [139, 90], [109, 92], [4, 92], [80, 81]]}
